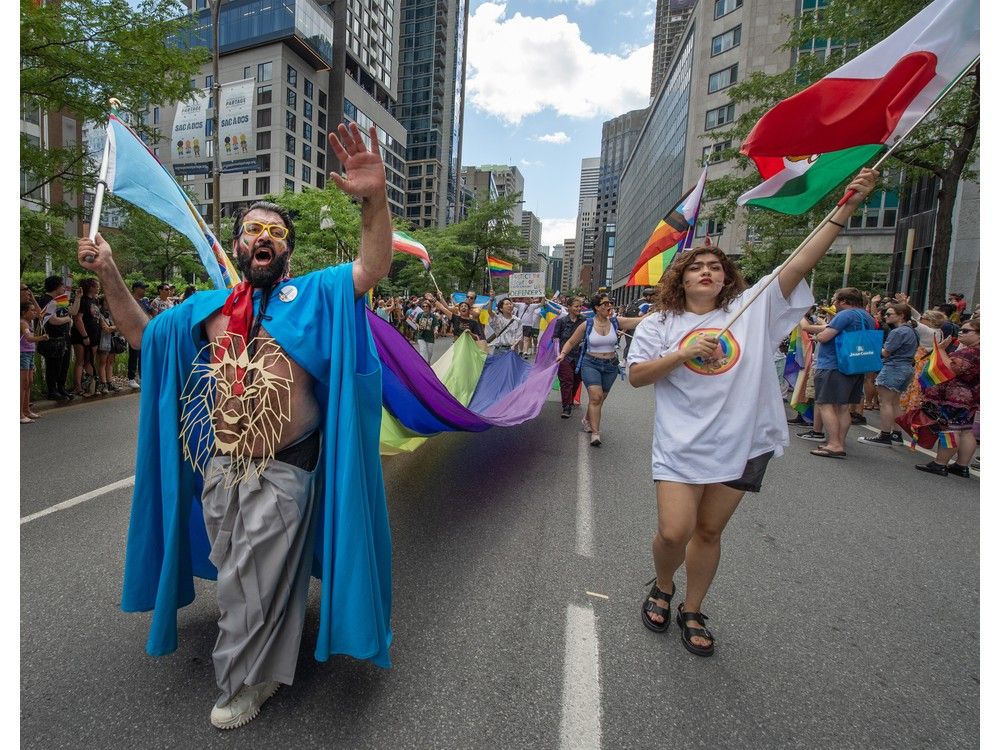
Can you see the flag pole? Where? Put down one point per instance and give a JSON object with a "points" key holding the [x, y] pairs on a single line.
{"points": [[95, 214], [431, 274], [849, 193]]}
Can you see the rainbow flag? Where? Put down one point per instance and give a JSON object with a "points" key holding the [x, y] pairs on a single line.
{"points": [[62, 300], [137, 176], [404, 243], [935, 370], [499, 267], [674, 233], [947, 439]]}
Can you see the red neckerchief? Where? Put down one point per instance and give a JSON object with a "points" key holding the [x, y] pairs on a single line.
{"points": [[239, 308]]}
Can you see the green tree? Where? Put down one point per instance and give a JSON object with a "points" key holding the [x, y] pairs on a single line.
{"points": [[150, 249], [488, 230], [75, 54], [944, 146]]}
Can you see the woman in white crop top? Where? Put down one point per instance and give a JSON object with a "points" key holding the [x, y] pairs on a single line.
{"points": [[598, 361]]}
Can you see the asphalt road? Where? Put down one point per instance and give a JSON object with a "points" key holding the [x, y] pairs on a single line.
{"points": [[846, 607]]}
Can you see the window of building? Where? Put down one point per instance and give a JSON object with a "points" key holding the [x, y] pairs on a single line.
{"points": [[320, 161], [209, 127], [289, 120], [710, 227], [322, 99], [723, 7], [321, 139], [262, 186], [263, 95], [307, 151], [307, 110], [208, 81], [321, 120], [263, 72], [430, 169], [307, 132], [726, 41], [247, 71], [415, 171], [720, 116], [156, 115], [290, 166], [306, 174], [289, 143], [320, 180], [264, 118], [246, 186], [309, 89], [292, 77], [722, 79], [291, 98], [264, 140], [289, 185], [713, 154], [208, 190]]}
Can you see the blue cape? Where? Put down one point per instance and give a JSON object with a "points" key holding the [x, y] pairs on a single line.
{"points": [[325, 330]]}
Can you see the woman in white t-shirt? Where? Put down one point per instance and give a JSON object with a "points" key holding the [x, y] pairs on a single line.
{"points": [[719, 417]]}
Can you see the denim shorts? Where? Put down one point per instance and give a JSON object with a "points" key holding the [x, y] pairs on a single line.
{"points": [[600, 372], [27, 360], [895, 376]]}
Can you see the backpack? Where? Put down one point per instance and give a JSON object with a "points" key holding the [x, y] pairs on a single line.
{"points": [[586, 338]]}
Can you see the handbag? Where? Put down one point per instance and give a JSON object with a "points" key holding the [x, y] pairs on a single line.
{"points": [[859, 351], [922, 423], [52, 348], [118, 343]]}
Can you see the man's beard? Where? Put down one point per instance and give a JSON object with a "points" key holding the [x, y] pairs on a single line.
{"points": [[262, 276]]}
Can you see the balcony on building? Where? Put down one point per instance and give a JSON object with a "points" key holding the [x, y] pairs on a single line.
{"points": [[245, 24]]}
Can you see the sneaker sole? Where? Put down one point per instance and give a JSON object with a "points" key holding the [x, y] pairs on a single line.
{"points": [[244, 719], [813, 439], [866, 441]]}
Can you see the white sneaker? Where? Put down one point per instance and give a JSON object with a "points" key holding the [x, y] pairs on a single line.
{"points": [[133, 384], [586, 425], [243, 707]]}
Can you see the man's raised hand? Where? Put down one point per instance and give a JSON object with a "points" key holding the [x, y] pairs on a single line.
{"points": [[94, 255], [364, 172]]}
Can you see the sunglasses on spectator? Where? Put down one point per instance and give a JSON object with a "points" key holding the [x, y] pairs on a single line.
{"points": [[604, 304], [254, 228], [967, 330]]}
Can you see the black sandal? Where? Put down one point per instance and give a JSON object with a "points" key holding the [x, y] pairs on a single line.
{"points": [[650, 606], [688, 632]]}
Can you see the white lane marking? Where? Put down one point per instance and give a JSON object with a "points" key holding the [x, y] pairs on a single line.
{"points": [[580, 728], [598, 596], [128, 482], [925, 451], [584, 499]]}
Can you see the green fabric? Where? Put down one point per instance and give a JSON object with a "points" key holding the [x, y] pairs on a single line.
{"points": [[459, 369], [801, 193]]}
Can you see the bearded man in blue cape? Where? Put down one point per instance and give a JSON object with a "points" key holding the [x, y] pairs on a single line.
{"points": [[258, 453]]}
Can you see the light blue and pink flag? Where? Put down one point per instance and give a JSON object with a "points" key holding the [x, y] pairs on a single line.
{"points": [[136, 175]]}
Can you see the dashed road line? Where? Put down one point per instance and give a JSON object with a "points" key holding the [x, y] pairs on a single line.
{"points": [[128, 482], [580, 727]]}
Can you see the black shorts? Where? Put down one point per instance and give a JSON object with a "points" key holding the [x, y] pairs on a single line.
{"points": [[530, 332], [753, 474], [834, 387]]}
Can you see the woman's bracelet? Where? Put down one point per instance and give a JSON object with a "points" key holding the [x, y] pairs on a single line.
{"points": [[836, 223]]}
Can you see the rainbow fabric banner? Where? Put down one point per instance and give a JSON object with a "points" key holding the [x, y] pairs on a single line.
{"points": [[464, 391], [935, 370], [947, 439], [404, 243], [136, 175], [798, 364], [499, 267]]}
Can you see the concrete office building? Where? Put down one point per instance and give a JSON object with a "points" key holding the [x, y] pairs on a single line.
{"points": [[586, 223], [505, 180], [554, 272], [618, 137], [568, 275], [430, 106], [531, 231], [671, 19]]}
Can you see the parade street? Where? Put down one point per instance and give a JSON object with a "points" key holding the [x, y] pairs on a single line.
{"points": [[845, 609]]}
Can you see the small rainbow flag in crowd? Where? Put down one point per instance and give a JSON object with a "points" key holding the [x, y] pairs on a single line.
{"points": [[935, 370], [62, 300], [499, 267], [404, 243], [947, 439]]}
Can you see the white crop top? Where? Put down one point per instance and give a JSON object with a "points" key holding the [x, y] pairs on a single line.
{"points": [[598, 344]]}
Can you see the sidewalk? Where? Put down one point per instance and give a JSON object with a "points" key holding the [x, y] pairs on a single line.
{"points": [[120, 383]]}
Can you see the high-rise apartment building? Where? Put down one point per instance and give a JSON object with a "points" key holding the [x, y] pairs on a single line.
{"points": [[671, 18], [586, 224], [531, 231], [505, 179], [554, 271], [568, 275], [433, 45]]}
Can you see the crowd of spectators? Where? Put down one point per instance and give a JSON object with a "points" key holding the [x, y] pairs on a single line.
{"points": [[71, 333]]}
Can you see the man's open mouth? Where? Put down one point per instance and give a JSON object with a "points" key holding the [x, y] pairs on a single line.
{"points": [[263, 255]]}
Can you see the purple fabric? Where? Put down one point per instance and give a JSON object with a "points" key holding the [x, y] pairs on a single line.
{"points": [[502, 373]]}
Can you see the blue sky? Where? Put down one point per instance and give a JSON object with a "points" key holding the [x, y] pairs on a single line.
{"points": [[543, 76]]}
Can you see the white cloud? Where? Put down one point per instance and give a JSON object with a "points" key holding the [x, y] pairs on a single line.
{"points": [[558, 138], [522, 65], [554, 231], [529, 163]]}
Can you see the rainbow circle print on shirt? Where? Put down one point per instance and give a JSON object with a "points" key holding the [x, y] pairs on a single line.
{"points": [[727, 355]]}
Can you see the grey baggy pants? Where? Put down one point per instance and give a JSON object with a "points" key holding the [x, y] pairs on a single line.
{"points": [[261, 533]]}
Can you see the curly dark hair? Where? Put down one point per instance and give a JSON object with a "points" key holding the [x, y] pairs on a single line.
{"points": [[285, 215], [669, 296]]}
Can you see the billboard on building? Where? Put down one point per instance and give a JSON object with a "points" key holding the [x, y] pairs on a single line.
{"points": [[188, 146], [237, 148]]}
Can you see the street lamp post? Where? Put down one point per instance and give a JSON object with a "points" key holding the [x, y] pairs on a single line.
{"points": [[216, 96]]}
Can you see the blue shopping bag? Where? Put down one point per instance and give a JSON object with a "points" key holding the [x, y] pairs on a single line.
{"points": [[859, 351]]}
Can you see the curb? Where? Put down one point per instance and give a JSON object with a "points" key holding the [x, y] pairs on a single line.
{"points": [[48, 405]]}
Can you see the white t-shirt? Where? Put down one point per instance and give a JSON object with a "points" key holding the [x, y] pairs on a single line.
{"points": [[531, 316], [710, 422]]}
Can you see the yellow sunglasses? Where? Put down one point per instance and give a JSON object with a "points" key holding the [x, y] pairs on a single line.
{"points": [[276, 231]]}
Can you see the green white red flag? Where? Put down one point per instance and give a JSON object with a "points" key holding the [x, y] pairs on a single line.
{"points": [[807, 144], [404, 243]]}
